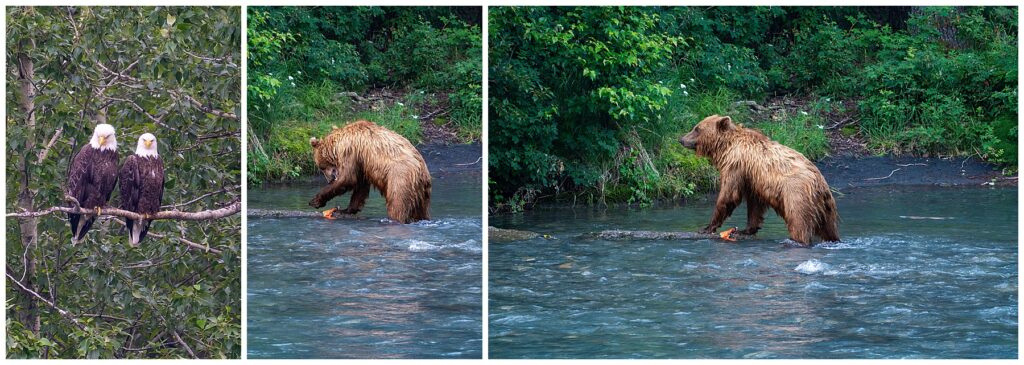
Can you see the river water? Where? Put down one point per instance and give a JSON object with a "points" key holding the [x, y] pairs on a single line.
{"points": [[922, 272], [366, 288]]}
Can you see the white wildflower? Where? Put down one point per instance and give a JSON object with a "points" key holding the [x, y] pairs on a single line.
{"points": [[293, 84], [399, 103], [691, 80], [290, 78], [821, 126], [685, 93], [803, 112], [298, 72], [415, 117]]}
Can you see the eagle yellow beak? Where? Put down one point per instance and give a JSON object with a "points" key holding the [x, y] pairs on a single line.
{"points": [[148, 143], [102, 139]]}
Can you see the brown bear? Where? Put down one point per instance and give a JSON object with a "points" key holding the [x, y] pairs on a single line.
{"points": [[362, 154], [765, 174]]}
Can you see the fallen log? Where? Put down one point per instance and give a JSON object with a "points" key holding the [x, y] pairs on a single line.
{"points": [[270, 213], [501, 235], [617, 235]]}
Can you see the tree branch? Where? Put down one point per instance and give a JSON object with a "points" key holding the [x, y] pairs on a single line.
{"points": [[205, 215], [202, 107], [63, 313], [46, 150], [183, 344], [224, 190]]}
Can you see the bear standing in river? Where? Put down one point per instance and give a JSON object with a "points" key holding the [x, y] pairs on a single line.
{"points": [[765, 174], [362, 154]]}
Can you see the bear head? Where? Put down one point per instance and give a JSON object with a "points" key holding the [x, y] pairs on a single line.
{"points": [[328, 166], [709, 136]]}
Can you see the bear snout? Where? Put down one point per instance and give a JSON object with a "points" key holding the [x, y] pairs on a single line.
{"points": [[688, 141]]}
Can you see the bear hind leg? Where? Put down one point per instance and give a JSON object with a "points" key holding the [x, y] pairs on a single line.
{"points": [[801, 227]]}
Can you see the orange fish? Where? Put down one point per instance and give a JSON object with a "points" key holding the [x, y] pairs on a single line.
{"points": [[726, 235], [329, 214]]}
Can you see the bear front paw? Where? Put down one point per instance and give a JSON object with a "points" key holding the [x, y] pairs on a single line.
{"points": [[316, 203], [707, 230], [351, 211]]}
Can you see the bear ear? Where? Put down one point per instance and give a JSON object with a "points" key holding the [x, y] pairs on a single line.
{"points": [[725, 124], [314, 142]]}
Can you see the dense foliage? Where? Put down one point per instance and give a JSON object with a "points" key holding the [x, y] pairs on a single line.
{"points": [[174, 72], [312, 68], [591, 101]]}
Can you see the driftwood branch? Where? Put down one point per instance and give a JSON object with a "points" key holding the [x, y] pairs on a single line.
{"points": [[228, 210], [616, 235], [266, 213], [884, 177]]}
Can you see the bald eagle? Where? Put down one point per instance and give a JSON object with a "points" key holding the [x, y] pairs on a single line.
{"points": [[92, 177], [142, 186]]}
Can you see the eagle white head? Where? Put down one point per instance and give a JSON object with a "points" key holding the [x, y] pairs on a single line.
{"points": [[104, 138], [147, 146]]}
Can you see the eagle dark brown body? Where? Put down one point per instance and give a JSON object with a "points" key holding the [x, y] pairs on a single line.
{"points": [[142, 190], [91, 179]]}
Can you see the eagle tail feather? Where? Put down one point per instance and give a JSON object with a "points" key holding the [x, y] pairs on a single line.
{"points": [[136, 231]]}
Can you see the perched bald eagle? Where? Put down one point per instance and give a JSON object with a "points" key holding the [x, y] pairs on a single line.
{"points": [[92, 177], [142, 186]]}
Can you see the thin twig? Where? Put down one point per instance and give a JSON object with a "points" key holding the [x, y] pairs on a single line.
{"points": [[224, 190], [911, 164]]}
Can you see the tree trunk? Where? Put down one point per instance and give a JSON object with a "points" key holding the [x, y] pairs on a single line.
{"points": [[26, 197]]}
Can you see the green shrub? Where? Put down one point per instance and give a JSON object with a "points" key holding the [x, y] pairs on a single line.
{"points": [[803, 132], [302, 59]]}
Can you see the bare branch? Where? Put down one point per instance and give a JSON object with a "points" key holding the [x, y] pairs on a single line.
{"points": [[63, 313], [159, 121], [46, 150], [226, 60], [883, 178], [205, 215], [183, 344], [201, 197], [202, 107]]}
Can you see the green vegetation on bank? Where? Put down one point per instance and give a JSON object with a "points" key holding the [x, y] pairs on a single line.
{"points": [[311, 68], [587, 103]]}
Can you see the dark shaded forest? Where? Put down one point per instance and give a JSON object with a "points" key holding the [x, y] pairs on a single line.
{"points": [[587, 103]]}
